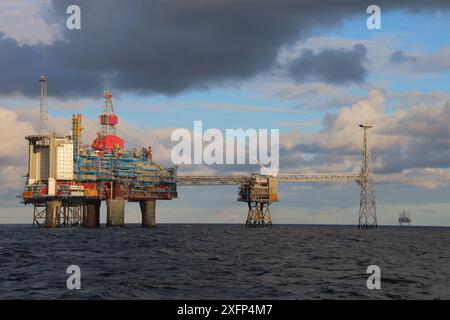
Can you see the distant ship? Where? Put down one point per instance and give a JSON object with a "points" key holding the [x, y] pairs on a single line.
{"points": [[404, 218]]}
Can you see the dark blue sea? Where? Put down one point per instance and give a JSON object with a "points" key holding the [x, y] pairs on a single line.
{"points": [[195, 261]]}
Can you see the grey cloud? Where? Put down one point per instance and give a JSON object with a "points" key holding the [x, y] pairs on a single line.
{"points": [[337, 66], [21, 66], [421, 157], [436, 62], [170, 46], [399, 57]]}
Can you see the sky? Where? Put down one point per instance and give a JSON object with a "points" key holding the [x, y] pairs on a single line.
{"points": [[311, 69]]}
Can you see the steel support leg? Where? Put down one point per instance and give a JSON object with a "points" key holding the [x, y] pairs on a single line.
{"points": [[258, 215]]}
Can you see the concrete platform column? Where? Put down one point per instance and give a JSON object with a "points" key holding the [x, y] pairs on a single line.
{"points": [[115, 212], [52, 214], [148, 211], [91, 214]]}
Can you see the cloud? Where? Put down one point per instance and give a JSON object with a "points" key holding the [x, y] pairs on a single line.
{"points": [[13, 132], [24, 21], [399, 57], [13, 152], [167, 47], [404, 100], [382, 53], [409, 147], [436, 62], [337, 66], [428, 178], [22, 64]]}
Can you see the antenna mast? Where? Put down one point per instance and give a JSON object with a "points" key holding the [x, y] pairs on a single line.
{"points": [[43, 116]]}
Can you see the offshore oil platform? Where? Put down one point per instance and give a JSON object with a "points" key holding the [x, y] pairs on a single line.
{"points": [[404, 218], [67, 181]]}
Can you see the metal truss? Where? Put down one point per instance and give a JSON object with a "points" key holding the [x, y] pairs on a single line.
{"points": [[39, 215], [239, 179], [258, 215], [367, 205], [315, 177], [69, 215], [211, 180]]}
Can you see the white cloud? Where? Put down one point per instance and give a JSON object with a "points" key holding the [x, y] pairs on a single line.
{"points": [[23, 20], [410, 146], [429, 178], [12, 133]]}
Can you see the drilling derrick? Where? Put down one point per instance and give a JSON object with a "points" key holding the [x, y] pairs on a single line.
{"points": [[107, 139], [367, 208]]}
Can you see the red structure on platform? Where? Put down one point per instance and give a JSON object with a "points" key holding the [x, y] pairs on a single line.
{"points": [[107, 143], [107, 139]]}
